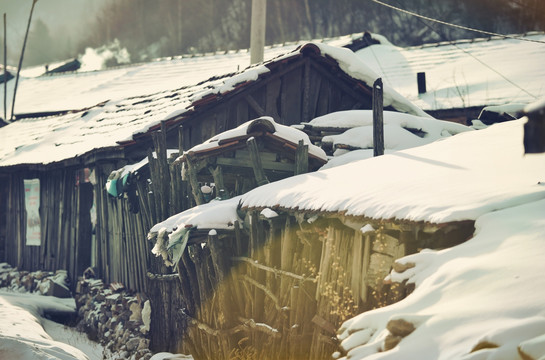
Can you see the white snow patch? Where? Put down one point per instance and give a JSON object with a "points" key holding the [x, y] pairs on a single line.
{"points": [[367, 228], [268, 213], [213, 215], [22, 335], [487, 289]]}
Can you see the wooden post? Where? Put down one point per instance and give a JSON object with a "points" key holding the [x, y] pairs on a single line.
{"points": [[260, 176], [192, 174], [378, 120], [5, 71], [21, 58], [301, 158], [365, 267], [217, 174], [163, 178], [257, 31], [180, 140]]}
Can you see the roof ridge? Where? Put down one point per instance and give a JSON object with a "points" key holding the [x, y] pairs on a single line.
{"points": [[474, 40]]}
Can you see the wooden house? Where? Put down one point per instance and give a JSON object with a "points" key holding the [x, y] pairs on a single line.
{"points": [[73, 153], [64, 155]]}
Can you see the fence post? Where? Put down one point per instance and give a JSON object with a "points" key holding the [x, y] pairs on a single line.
{"points": [[378, 120]]}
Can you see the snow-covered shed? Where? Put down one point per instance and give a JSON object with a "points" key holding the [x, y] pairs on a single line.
{"points": [[253, 154], [291, 260], [459, 78]]}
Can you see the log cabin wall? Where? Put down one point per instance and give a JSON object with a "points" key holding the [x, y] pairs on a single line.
{"points": [[280, 288]]}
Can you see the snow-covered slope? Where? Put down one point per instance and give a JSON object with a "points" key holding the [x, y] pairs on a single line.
{"points": [[22, 335]]}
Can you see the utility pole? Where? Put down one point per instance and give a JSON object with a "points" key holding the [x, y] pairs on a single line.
{"points": [[5, 71], [257, 32], [21, 59]]}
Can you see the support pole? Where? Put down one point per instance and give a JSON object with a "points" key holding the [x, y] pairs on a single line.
{"points": [[259, 173], [5, 71], [21, 59], [301, 158], [378, 120], [257, 31]]}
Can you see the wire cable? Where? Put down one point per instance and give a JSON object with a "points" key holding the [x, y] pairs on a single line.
{"points": [[457, 26], [453, 43]]}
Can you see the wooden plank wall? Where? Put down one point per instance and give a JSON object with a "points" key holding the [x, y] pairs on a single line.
{"points": [[121, 246], [297, 93], [64, 214]]}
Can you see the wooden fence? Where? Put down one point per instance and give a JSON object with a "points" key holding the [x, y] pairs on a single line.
{"points": [[279, 288]]}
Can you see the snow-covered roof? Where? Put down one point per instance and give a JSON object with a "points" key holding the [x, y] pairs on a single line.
{"points": [[477, 72], [283, 132], [488, 290], [78, 90], [459, 178], [52, 139], [213, 215], [354, 140]]}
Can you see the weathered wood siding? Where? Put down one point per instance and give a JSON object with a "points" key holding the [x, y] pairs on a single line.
{"points": [[293, 93], [65, 205]]}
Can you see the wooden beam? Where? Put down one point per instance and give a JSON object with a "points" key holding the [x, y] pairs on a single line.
{"points": [[259, 173], [306, 92], [217, 174], [264, 289], [267, 165], [273, 270], [350, 90], [195, 189], [254, 105], [180, 140]]}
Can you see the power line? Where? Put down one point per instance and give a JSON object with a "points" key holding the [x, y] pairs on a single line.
{"points": [[457, 26], [453, 43]]}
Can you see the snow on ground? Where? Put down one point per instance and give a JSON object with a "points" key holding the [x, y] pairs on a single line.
{"points": [[490, 289], [73, 338], [22, 333], [170, 356]]}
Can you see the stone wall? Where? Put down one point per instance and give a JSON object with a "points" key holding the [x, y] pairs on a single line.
{"points": [[118, 319]]}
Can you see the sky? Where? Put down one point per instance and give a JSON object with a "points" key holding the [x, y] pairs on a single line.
{"points": [[58, 15]]}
